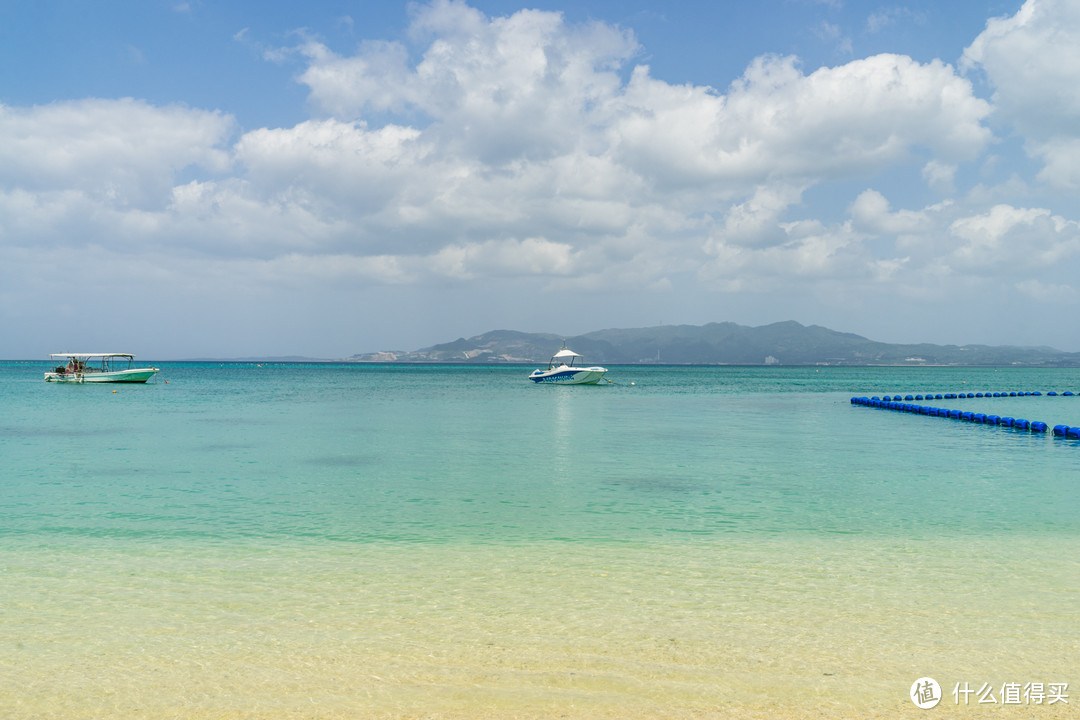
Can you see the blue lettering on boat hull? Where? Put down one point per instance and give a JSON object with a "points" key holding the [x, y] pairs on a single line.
{"points": [[560, 377], [588, 376]]}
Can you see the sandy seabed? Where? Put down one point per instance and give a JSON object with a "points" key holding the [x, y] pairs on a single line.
{"points": [[810, 628]]}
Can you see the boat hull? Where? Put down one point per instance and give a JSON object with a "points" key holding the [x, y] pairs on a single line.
{"points": [[569, 376], [135, 375]]}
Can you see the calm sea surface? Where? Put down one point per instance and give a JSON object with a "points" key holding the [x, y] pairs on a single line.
{"points": [[310, 541]]}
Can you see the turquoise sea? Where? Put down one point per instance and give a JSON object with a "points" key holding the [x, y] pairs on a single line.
{"points": [[250, 540]]}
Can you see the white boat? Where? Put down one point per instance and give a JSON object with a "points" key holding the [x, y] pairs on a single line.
{"points": [[561, 369], [99, 368]]}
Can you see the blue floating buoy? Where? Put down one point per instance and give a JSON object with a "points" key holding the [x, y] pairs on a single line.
{"points": [[1037, 393], [893, 403], [1067, 393]]}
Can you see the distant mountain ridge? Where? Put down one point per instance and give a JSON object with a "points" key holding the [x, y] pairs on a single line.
{"points": [[726, 343]]}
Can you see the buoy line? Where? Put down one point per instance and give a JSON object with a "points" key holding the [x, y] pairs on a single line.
{"points": [[904, 403]]}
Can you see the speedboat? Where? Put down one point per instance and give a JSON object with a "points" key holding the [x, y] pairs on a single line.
{"points": [[99, 368], [561, 369]]}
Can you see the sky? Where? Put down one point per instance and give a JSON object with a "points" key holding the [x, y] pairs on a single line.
{"points": [[237, 179]]}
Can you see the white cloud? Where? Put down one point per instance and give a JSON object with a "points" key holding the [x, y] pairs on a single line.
{"points": [[499, 88], [940, 176], [776, 122], [1061, 158], [1012, 239], [344, 87], [871, 214], [125, 152], [1032, 59], [532, 256], [529, 149], [518, 150], [810, 252], [530, 87], [339, 164], [757, 221]]}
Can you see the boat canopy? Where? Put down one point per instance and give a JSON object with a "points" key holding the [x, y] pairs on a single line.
{"points": [[82, 356], [564, 353]]}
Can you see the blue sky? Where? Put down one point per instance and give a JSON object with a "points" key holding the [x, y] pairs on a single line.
{"points": [[182, 179]]}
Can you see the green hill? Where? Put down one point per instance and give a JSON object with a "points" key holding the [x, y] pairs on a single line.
{"points": [[783, 343]]}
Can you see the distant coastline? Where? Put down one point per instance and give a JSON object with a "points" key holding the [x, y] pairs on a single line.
{"points": [[720, 344], [783, 344]]}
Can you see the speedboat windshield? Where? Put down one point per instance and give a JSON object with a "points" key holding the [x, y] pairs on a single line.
{"points": [[564, 356]]}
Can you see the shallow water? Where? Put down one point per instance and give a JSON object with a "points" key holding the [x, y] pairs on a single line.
{"points": [[363, 541]]}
